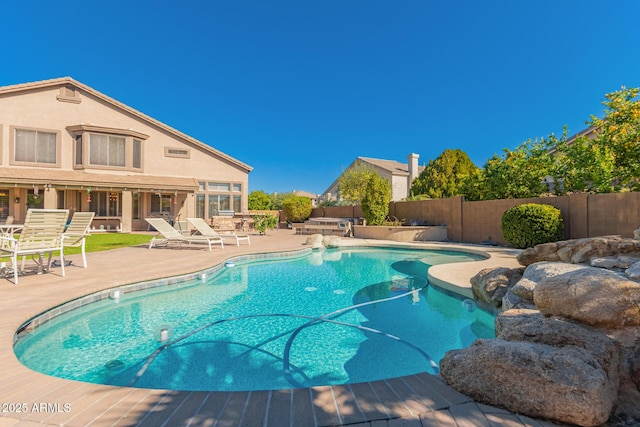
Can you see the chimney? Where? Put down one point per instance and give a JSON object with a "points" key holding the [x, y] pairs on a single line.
{"points": [[413, 167]]}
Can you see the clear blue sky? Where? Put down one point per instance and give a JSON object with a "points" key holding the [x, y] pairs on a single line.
{"points": [[299, 89]]}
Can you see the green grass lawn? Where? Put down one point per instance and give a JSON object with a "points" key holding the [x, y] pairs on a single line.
{"points": [[105, 241]]}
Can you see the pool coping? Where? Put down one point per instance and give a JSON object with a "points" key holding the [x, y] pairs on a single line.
{"points": [[421, 399]]}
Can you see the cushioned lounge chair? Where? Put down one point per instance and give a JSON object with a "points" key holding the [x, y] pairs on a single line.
{"points": [[204, 229], [171, 235], [77, 231], [41, 234]]}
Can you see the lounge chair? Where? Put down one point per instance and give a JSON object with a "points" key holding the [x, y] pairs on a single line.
{"points": [[171, 235], [204, 229], [41, 234], [77, 231]]}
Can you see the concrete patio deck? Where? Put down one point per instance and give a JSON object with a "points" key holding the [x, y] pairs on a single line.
{"points": [[29, 398]]}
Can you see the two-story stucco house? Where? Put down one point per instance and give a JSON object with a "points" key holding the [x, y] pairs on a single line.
{"points": [[66, 145]]}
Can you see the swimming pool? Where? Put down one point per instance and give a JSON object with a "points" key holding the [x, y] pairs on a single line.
{"points": [[328, 317]]}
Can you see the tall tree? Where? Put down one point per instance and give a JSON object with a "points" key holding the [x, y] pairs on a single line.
{"points": [[443, 176], [375, 201], [518, 173], [353, 183], [259, 200], [608, 160]]}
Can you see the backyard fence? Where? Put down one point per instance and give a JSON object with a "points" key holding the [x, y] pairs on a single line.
{"points": [[584, 215]]}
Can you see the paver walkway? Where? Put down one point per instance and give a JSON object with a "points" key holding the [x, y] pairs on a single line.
{"points": [[32, 399]]}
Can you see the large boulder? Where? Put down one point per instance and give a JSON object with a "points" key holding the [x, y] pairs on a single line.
{"points": [[490, 285], [579, 250], [538, 272], [590, 295], [531, 326], [564, 384]]}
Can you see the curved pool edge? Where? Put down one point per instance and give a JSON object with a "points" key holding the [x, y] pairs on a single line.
{"points": [[421, 396]]}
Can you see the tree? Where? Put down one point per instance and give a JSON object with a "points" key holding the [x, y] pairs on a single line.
{"points": [[353, 183], [297, 208], [443, 176], [609, 162], [278, 198], [519, 173], [619, 131], [259, 200], [584, 166], [375, 201]]}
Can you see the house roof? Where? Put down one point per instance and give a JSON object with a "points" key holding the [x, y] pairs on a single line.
{"points": [[392, 166], [305, 194], [153, 122], [97, 181]]}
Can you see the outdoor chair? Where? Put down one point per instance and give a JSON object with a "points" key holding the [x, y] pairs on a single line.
{"points": [[41, 234], [203, 228], [77, 231], [171, 235]]}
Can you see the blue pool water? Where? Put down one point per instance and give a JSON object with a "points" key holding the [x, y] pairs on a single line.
{"points": [[333, 317]]}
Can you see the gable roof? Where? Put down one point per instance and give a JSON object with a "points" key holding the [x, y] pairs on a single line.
{"points": [[153, 122], [392, 166]]}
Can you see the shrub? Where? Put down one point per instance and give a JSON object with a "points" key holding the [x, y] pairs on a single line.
{"points": [[530, 224], [375, 203], [297, 208], [264, 222]]}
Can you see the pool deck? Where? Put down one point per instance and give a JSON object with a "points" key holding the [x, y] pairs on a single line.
{"points": [[29, 398]]}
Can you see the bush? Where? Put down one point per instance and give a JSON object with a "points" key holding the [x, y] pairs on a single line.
{"points": [[297, 208], [375, 203], [264, 222], [531, 224]]}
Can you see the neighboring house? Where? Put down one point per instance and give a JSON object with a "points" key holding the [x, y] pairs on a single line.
{"points": [[399, 175], [313, 197], [66, 145]]}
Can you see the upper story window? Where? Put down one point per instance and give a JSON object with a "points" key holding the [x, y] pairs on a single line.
{"points": [[237, 188], [35, 146], [107, 150], [219, 186]]}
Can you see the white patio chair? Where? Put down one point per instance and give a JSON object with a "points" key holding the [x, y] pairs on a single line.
{"points": [[204, 229], [41, 234], [171, 235], [77, 231]]}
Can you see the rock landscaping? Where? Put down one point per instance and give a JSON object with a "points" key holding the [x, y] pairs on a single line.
{"points": [[567, 344]]}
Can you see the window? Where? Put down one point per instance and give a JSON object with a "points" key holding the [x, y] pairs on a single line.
{"points": [[106, 203], [106, 150], [137, 154], [105, 147], [135, 202], [237, 188], [237, 204], [79, 150], [219, 186], [161, 202], [36, 147], [218, 202], [200, 205], [62, 199], [4, 204]]}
